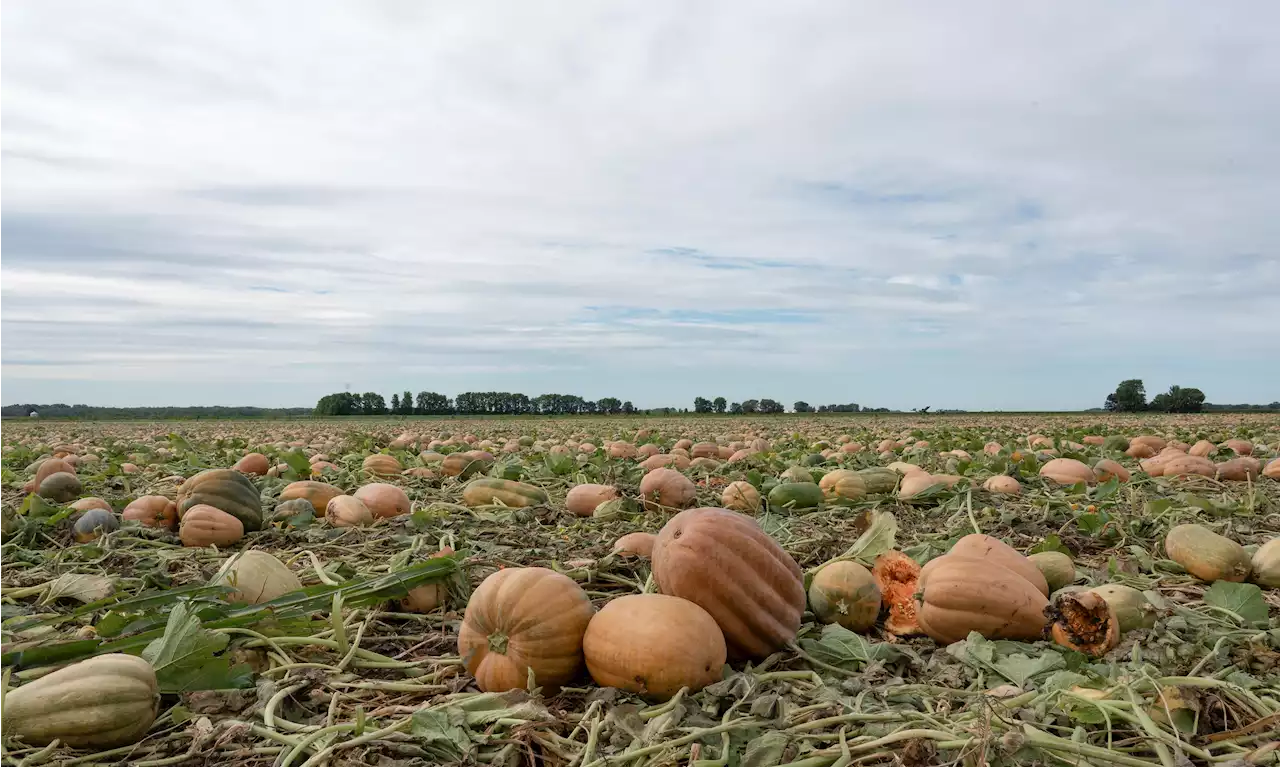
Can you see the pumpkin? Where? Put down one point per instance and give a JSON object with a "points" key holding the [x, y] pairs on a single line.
{"points": [[464, 465], [797, 474], [1239, 446], [896, 575], [655, 462], [287, 509], [635, 545], [524, 619], [1189, 465], [1132, 608], [705, 450], [915, 483], [653, 645], [985, 547], [428, 596], [667, 490], [1085, 622], [1106, 468], [796, 496], [846, 593], [1002, 484], [204, 525], [94, 524], [722, 561], [1207, 555], [843, 486], [253, 463], [60, 487], [1057, 568], [1203, 449], [382, 465], [1095, 439], [741, 496], [682, 444], [959, 595], [1155, 443], [256, 577], [383, 500], [103, 702], [488, 491], [1068, 471], [347, 511], [582, 500], [223, 489], [1273, 469], [318, 494], [1266, 564], [84, 504], [152, 511], [1242, 469], [47, 468], [1140, 450]]}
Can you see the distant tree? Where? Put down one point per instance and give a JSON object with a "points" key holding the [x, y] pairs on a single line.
{"points": [[735, 408], [1129, 397], [406, 403], [372, 403], [802, 407], [1179, 400], [771, 406], [628, 408], [610, 405], [751, 406], [719, 404], [395, 404], [701, 405]]}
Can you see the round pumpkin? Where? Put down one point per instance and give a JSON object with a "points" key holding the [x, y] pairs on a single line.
{"points": [[253, 463], [347, 511], [465, 465], [985, 547], [653, 645], [1002, 484], [60, 488], [1140, 450], [843, 486], [93, 524], [1057, 568], [224, 489], [382, 465], [915, 483], [1068, 471], [722, 561], [741, 496], [1203, 449], [47, 468], [383, 500], [256, 577], [582, 500], [845, 592], [318, 494], [524, 619], [635, 545], [659, 461], [959, 595], [84, 504], [152, 511], [1266, 564], [205, 525], [667, 490], [1207, 555]]}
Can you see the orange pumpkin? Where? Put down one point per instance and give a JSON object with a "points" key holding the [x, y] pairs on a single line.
{"points": [[991, 549], [896, 574], [152, 511], [382, 465], [253, 463], [959, 595], [383, 501], [204, 525], [654, 645], [318, 494], [667, 490], [582, 500], [635, 545]]}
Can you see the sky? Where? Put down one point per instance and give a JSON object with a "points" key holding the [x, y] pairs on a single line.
{"points": [[977, 205]]}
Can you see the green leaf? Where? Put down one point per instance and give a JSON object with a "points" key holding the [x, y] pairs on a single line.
{"points": [[841, 647], [1051, 542], [298, 462], [1107, 489], [186, 656], [1014, 661], [1243, 599], [765, 750], [445, 740], [879, 537], [1092, 522]]}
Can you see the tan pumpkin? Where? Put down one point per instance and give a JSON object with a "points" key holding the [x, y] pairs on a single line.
{"points": [[635, 545], [347, 511], [1002, 484], [318, 494], [384, 501], [582, 500], [992, 448], [466, 465], [667, 490], [959, 595], [987, 548], [1203, 449], [1272, 469], [253, 463], [1068, 471], [722, 561], [1239, 446], [704, 450], [1207, 555], [1189, 465], [843, 486], [1155, 443], [915, 483], [1243, 469], [428, 596], [1140, 450], [1132, 608], [152, 511], [654, 645], [1266, 564], [382, 465], [655, 462], [84, 504], [846, 593], [205, 525], [256, 577], [742, 496], [1095, 439], [524, 619], [1105, 469]]}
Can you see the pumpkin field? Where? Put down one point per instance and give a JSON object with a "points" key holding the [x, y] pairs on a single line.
{"points": [[1087, 589]]}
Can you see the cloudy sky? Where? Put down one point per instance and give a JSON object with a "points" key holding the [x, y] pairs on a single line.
{"points": [[971, 205]]}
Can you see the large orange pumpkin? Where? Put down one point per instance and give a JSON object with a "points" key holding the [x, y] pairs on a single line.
{"points": [[995, 550], [383, 500], [524, 619], [722, 561], [253, 463], [667, 490], [382, 465], [959, 595], [152, 511], [654, 644], [204, 525]]}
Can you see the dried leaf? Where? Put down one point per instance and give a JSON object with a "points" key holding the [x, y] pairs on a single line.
{"points": [[84, 588]]}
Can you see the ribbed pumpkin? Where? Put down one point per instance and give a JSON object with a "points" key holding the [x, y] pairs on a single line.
{"points": [[253, 463], [722, 561], [705, 450], [635, 545], [152, 511], [654, 644], [256, 576], [382, 465], [204, 525], [383, 500], [488, 491], [667, 490], [224, 489], [985, 547], [521, 619], [318, 494], [959, 595], [93, 524], [845, 593], [582, 500], [843, 486], [99, 703], [1207, 555], [742, 496], [347, 511]]}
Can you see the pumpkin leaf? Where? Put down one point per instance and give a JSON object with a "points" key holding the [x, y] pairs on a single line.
{"points": [[447, 742], [879, 537], [298, 462], [1051, 542], [1011, 660], [765, 750], [1243, 599], [82, 587], [186, 656], [838, 646]]}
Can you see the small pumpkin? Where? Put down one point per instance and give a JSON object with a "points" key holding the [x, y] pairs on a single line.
{"points": [[897, 575], [383, 500], [1207, 555], [224, 489], [667, 490], [1085, 622], [635, 545], [960, 594], [152, 511], [1131, 606], [1266, 564], [722, 561], [582, 500], [1057, 568], [1106, 468], [487, 491], [742, 496], [524, 619], [256, 576], [382, 465], [465, 465], [103, 702], [318, 494], [1002, 484], [347, 511], [654, 645], [60, 488], [253, 463], [93, 524], [843, 486], [985, 547], [846, 593], [1068, 471], [205, 525], [84, 504]]}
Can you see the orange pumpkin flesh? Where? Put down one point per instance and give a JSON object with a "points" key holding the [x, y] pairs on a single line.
{"points": [[1084, 622], [896, 574]]}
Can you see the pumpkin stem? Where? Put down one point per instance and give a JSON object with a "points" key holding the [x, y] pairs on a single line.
{"points": [[498, 643]]}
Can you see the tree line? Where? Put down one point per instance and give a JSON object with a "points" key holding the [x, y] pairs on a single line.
{"points": [[470, 403], [751, 406], [1131, 397]]}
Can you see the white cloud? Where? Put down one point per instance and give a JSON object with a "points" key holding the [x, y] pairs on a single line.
{"points": [[400, 194]]}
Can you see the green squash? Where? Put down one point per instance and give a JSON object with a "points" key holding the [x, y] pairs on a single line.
{"points": [[226, 490], [797, 496], [60, 487], [879, 480], [487, 491], [103, 702]]}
